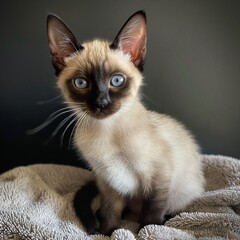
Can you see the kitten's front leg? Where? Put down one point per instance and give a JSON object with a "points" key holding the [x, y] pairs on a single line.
{"points": [[112, 205], [154, 207]]}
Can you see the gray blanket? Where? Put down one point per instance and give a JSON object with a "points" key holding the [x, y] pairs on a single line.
{"points": [[36, 203]]}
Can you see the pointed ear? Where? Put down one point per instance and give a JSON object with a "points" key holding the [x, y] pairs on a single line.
{"points": [[132, 38], [61, 41]]}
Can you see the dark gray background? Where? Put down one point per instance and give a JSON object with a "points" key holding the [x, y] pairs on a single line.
{"points": [[192, 70]]}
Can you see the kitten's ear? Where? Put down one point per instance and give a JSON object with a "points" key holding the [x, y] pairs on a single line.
{"points": [[132, 38], [61, 41]]}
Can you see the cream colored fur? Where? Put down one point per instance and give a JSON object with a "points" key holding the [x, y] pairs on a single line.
{"points": [[138, 156], [135, 150], [129, 151]]}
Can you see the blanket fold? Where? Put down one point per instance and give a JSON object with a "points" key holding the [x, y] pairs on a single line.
{"points": [[36, 202]]}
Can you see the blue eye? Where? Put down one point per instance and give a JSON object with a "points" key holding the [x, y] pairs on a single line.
{"points": [[80, 82], [117, 80]]}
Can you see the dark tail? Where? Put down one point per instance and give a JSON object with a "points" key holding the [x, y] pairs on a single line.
{"points": [[82, 205]]}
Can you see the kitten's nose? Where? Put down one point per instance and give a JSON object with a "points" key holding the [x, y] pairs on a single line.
{"points": [[102, 102]]}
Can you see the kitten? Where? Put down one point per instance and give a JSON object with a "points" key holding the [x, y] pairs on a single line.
{"points": [[137, 155]]}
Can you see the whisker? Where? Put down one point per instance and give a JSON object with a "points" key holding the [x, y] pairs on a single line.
{"points": [[81, 120], [87, 118], [150, 100], [72, 133], [62, 137], [61, 125], [64, 121], [75, 128], [75, 103], [48, 101], [56, 112], [49, 120]]}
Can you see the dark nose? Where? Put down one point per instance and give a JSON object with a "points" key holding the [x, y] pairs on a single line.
{"points": [[102, 102]]}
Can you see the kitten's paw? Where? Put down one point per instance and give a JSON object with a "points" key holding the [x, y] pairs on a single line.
{"points": [[92, 231], [107, 229], [158, 220], [107, 226]]}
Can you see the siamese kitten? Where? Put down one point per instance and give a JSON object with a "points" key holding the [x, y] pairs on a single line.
{"points": [[137, 156]]}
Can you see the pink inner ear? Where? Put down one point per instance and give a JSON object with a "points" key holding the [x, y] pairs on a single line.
{"points": [[135, 45], [139, 50]]}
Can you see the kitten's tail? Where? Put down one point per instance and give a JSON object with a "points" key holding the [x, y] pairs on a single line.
{"points": [[82, 205]]}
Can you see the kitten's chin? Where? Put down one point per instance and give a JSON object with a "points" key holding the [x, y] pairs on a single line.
{"points": [[101, 113]]}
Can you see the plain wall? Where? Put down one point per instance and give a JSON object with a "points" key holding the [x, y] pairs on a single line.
{"points": [[192, 70]]}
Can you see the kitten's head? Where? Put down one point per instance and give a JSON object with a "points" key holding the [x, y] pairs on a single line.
{"points": [[99, 77]]}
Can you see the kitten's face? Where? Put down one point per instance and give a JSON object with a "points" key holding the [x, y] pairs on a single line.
{"points": [[99, 78]]}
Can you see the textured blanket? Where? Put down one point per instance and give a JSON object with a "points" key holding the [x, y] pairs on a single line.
{"points": [[36, 203]]}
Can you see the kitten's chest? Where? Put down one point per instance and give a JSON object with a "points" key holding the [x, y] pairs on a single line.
{"points": [[95, 145], [116, 159]]}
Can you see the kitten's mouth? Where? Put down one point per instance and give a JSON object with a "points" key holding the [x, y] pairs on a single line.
{"points": [[100, 113]]}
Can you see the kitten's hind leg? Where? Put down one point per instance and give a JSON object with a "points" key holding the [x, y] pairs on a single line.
{"points": [[82, 205]]}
